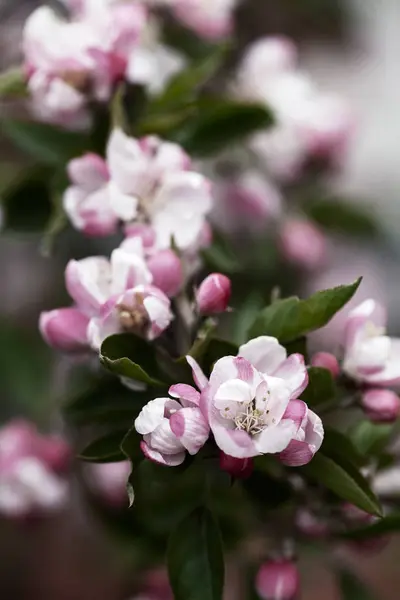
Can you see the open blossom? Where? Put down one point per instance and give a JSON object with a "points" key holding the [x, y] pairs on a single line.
{"points": [[371, 356], [151, 182], [170, 427], [30, 471], [251, 400], [69, 61], [113, 296], [309, 123], [308, 438], [144, 182]]}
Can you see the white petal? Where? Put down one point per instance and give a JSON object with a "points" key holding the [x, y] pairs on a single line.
{"points": [[264, 353], [87, 282], [128, 271], [294, 372], [229, 397], [163, 439], [151, 416], [390, 375], [224, 370], [124, 205], [275, 439], [191, 428]]}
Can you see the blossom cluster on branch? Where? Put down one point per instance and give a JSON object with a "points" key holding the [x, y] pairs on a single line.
{"points": [[194, 174]]}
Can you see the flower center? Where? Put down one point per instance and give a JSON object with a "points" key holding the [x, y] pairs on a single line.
{"points": [[133, 319], [253, 420]]}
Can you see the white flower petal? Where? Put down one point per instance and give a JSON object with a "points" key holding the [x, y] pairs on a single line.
{"points": [[151, 416]]}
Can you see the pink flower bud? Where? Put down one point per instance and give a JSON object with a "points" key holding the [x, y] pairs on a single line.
{"points": [[381, 406], [214, 294], [65, 329], [278, 580], [240, 468], [328, 361], [145, 232], [303, 244], [55, 453], [166, 268]]}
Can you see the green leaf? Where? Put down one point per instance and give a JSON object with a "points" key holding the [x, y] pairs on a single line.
{"points": [[105, 449], [382, 527], [195, 558], [185, 86], [342, 217], [245, 315], [320, 388], [108, 401], [223, 123], [351, 587], [166, 495], [342, 478], [45, 143], [13, 84], [371, 438], [118, 353], [339, 446], [221, 256], [291, 318], [130, 446]]}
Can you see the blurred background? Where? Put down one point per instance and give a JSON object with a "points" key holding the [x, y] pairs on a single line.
{"points": [[351, 47]]}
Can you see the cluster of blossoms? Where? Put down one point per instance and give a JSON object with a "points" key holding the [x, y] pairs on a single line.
{"points": [[148, 185], [250, 405], [76, 58], [32, 472]]}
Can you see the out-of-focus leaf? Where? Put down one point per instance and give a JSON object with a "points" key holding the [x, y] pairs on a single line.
{"points": [[219, 124], [165, 495], [339, 446], [120, 352], [186, 42], [390, 524], [291, 318], [45, 143], [26, 201], [105, 449], [245, 316], [352, 588], [371, 438], [221, 256], [106, 402], [320, 388], [343, 217], [344, 479], [13, 83], [195, 558]]}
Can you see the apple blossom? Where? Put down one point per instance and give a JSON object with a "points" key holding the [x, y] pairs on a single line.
{"points": [[87, 201], [240, 468], [251, 400], [381, 406], [108, 481], [166, 269], [370, 355], [308, 438], [210, 20], [150, 182], [303, 244], [29, 463], [308, 122], [112, 296], [328, 361], [278, 580], [213, 294], [170, 427]]}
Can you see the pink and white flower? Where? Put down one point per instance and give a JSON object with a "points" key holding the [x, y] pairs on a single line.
{"points": [[308, 438], [248, 399], [210, 20], [278, 580], [151, 182], [87, 201], [69, 61], [303, 244], [30, 468], [170, 427], [371, 356], [308, 124], [108, 481], [113, 295]]}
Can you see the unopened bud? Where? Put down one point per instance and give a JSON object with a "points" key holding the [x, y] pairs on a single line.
{"points": [[214, 294], [381, 406], [166, 268], [328, 361], [278, 580], [240, 468], [65, 329], [303, 244]]}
